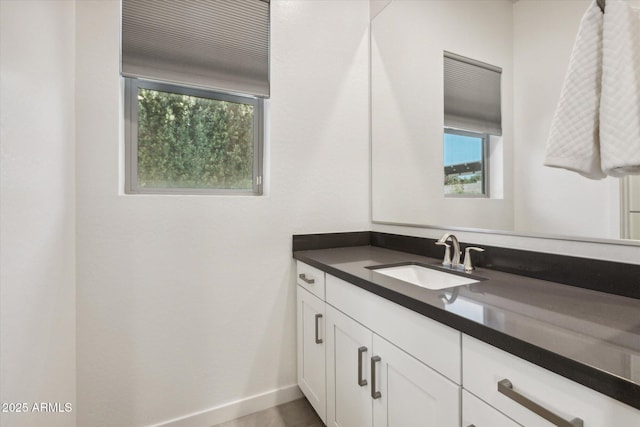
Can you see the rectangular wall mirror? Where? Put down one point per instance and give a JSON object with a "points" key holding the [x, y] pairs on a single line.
{"points": [[499, 184]]}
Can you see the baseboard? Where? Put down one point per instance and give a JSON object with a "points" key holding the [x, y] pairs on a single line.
{"points": [[239, 408]]}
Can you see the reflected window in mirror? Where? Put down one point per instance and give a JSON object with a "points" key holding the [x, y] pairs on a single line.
{"points": [[472, 115], [465, 164]]}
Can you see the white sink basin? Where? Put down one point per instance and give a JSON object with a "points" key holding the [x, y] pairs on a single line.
{"points": [[425, 277]]}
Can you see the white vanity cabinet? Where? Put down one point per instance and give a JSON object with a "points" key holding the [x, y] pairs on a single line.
{"points": [[366, 361], [522, 391], [383, 364]]}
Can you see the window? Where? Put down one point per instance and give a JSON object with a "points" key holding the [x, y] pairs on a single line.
{"points": [[472, 114], [465, 163], [196, 75], [182, 140]]}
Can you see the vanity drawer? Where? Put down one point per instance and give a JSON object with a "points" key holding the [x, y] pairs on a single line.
{"points": [[536, 388], [310, 278]]}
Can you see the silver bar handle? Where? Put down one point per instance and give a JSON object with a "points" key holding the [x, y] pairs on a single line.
{"points": [[471, 425], [305, 279], [374, 394], [318, 340], [506, 387], [361, 382]]}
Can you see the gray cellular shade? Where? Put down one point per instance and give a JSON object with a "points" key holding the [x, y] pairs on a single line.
{"points": [[471, 95], [221, 45]]}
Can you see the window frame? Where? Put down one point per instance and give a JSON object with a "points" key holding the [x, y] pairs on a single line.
{"points": [[131, 86], [486, 138]]}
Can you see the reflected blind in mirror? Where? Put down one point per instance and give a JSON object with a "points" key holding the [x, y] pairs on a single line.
{"points": [[221, 45], [471, 95]]}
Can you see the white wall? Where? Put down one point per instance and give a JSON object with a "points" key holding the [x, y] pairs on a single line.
{"points": [[37, 213], [188, 302]]}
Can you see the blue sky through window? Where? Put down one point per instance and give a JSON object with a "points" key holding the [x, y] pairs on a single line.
{"points": [[461, 149]]}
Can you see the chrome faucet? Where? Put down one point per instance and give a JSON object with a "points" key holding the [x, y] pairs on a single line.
{"points": [[452, 260]]}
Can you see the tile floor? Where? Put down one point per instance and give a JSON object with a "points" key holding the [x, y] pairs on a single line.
{"points": [[297, 413]]}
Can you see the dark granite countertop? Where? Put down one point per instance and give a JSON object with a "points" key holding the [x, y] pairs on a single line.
{"points": [[588, 336]]}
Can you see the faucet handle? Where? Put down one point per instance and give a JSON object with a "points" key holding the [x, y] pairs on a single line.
{"points": [[447, 253], [468, 264]]}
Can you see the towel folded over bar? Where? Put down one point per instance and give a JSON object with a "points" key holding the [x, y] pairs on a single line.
{"points": [[573, 141], [596, 127]]}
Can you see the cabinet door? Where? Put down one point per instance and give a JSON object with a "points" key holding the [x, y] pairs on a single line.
{"points": [[410, 393], [348, 353], [311, 350], [477, 413]]}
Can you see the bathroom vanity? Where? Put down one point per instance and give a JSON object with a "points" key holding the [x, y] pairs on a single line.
{"points": [[506, 350]]}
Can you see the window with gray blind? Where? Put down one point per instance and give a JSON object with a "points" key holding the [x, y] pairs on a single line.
{"points": [[472, 112], [196, 75], [472, 95]]}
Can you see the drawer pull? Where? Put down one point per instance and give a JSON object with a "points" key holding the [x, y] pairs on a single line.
{"points": [[505, 387], [318, 340], [304, 279], [374, 394], [361, 382]]}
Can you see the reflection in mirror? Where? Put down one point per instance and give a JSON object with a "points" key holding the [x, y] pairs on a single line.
{"points": [[531, 42], [472, 112], [465, 163]]}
